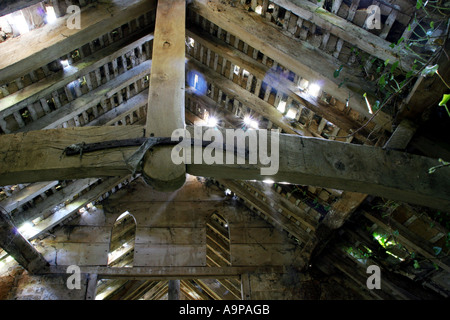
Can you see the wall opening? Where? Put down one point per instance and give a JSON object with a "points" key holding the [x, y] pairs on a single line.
{"points": [[123, 234], [218, 252]]}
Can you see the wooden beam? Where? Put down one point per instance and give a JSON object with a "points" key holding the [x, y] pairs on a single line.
{"points": [[250, 100], [26, 194], [402, 135], [20, 151], [10, 6], [167, 273], [302, 160], [89, 100], [91, 290], [350, 201], [166, 94], [52, 41], [41, 89], [127, 107], [18, 247], [174, 290], [343, 166], [348, 31], [264, 73], [44, 207], [408, 238], [246, 292], [300, 57], [73, 207]]}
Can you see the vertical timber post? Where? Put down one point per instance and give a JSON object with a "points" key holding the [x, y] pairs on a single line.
{"points": [[174, 290], [91, 290], [166, 111], [18, 247], [245, 287]]}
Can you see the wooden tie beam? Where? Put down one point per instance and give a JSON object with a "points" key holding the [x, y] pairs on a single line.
{"points": [[302, 160]]}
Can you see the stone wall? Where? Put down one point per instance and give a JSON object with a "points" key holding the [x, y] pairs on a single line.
{"points": [[18, 284]]}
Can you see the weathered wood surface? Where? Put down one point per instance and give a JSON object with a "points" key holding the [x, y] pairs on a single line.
{"points": [[18, 247], [80, 254], [261, 107], [44, 207], [164, 273], [89, 100], [23, 196], [317, 162], [53, 41], [277, 81], [174, 290], [171, 234], [307, 161], [32, 157], [300, 57], [38, 90], [166, 94], [348, 31], [10, 6], [169, 255]]}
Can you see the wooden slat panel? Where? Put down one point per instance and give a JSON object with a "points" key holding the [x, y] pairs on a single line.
{"points": [[169, 255], [80, 254], [54, 40], [176, 236], [257, 235], [265, 255]]}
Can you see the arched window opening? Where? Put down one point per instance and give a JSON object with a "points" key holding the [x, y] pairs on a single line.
{"points": [[217, 241], [123, 234]]}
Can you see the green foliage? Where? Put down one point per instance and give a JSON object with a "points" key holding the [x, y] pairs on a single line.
{"points": [[389, 77], [338, 71], [429, 70], [359, 254], [443, 164]]}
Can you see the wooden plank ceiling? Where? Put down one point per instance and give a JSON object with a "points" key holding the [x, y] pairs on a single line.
{"points": [[253, 55]]}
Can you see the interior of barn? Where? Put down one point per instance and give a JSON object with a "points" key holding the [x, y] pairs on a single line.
{"points": [[357, 90]]}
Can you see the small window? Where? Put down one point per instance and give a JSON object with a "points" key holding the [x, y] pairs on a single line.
{"points": [[217, 241], [121, 250]]}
